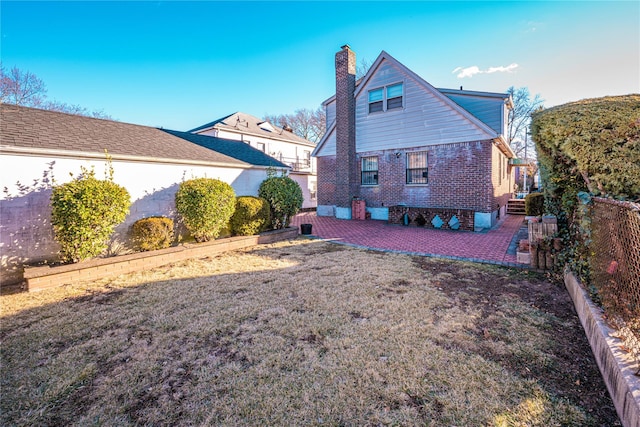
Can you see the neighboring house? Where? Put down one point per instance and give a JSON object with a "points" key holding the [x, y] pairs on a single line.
{"points": [[403, 146], [38, 146], [280, 143]]}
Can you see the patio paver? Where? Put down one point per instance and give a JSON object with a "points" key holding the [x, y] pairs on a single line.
{"points": [[491, 246]]}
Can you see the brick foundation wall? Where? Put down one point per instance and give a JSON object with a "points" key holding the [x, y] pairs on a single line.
{"points": [[459, 178], [466, 217]]}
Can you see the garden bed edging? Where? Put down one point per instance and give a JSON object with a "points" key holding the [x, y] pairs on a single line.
{"points": [[616, 367], [40, 278]]}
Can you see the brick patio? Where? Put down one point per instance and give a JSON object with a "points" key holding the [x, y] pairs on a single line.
{"points": [[493, 246]]}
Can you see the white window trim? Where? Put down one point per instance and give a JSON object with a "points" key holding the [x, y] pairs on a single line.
{"points": [[385, 98]]}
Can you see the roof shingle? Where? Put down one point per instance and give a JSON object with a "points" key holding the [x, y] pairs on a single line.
{"points": [[24, 127]]}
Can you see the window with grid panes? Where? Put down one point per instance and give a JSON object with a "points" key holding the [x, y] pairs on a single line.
{"points": [[417, 171], [369, 172]]}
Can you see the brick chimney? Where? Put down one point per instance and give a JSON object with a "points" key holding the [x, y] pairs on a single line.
{"points": [[346, 167]]}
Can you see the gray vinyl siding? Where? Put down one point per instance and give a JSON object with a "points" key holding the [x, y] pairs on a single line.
{"points": [[487, 110], [331, 113], [424, 119]]}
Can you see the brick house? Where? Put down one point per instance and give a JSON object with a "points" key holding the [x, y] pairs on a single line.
{"points": [[404, 147]]}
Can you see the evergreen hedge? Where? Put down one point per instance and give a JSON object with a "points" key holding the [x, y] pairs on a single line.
{"points": [[84, 214], [589, 146], [205, 206], [534, 204], [285, 199], [252, 216], [150, 234]]}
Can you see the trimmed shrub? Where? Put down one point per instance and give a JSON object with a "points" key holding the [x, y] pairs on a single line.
{"points": [[150, 234], [252, 215], [285, 199], [589, 146], [84, 214], [205, 206], [534, 204]]}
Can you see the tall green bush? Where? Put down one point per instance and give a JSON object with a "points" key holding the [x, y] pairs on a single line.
{"points": [[205, 206], [285, 199], [84, 214], [252, 216], [586, 147]]}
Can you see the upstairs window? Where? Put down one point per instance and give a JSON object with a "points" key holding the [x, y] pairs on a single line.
{"points": [[417, 170], [375, 100], [394, 96], [261, 146], [369, 174], [386, 98]]}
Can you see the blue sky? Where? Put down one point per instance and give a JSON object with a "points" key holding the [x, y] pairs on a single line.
{"points": [[181, 64]]}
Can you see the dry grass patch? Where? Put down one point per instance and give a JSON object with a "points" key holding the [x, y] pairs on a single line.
{"points": [[301, 333]]}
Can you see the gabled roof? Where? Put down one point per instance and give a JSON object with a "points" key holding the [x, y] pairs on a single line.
{"points": [[385, 56], [237, 149], [250, 125], [362, 83], [34, 131]]}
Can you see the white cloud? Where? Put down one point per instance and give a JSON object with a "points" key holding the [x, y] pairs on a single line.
{"points": [[508, 69], [473, 70], [467, 72]]}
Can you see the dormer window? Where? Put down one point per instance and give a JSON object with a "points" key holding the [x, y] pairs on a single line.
{"points": [[386, 98], [266, 126]]}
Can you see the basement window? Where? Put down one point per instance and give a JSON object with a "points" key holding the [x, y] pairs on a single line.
{"points": [[417, 170], [369, 174]]}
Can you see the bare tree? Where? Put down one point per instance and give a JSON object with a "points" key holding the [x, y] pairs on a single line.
{"points": [[21, 88], [306, 123], [519, 119], [25, 88], [363, 68]]}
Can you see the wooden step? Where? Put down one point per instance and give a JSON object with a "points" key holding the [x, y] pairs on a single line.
{"points": [[515, 207]]}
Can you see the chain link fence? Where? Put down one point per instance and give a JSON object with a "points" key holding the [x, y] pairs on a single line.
{"points": [[615, 265]]}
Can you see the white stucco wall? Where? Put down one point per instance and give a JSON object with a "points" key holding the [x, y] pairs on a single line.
{"points": [[26, 235]]}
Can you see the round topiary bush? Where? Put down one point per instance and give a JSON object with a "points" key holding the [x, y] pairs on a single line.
{"points": [[205, 206], [285, 199], [150, 234], [534, 204], [84, 214], [252, 216]]}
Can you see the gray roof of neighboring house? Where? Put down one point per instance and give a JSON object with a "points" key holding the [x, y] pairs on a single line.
{"points": [[247, 124], [236, 149], [30, 128]]}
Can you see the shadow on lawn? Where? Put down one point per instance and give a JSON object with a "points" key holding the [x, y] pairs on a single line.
{"points": [[310, 331]]}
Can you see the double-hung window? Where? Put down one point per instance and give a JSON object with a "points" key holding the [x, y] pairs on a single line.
{"points": [[369, 171], [386, 98], [376, 97], [417, 170], [394, 96]]}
